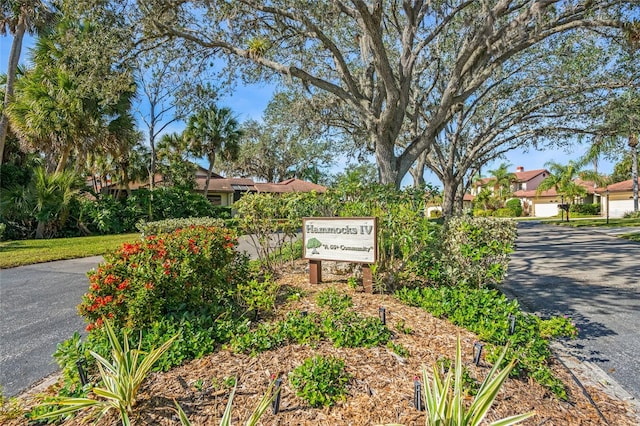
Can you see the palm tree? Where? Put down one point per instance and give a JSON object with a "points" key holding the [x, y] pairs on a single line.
{"points": [[18, 17], [46, 199], [174, 166], [562, 178], [51, 111], [502, 179], [213, 132]]}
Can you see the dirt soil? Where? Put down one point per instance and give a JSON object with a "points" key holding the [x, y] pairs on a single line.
{"points": [[381, 388]]}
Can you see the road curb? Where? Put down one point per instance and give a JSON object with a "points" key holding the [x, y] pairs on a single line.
{"points": [[585, 372], [589, 374]]}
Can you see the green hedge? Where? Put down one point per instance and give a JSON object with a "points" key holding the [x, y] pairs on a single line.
{"points": [[170, 225], [475, 251], [588, 209]]}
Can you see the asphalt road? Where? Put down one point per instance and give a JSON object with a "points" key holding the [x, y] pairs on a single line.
{"points": [[594, 278], [38, 311]]}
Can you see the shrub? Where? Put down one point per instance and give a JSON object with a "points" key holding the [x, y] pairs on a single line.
{"points": [[168, 203], [333, 300], [350, 330], [486, 313], [342, 328], [272, 221], [187, 270], [476, 251], [107, 215], [586, 209], [321, 381], [482, 213], [170, 225], [632, 215], [515, 205], [259, 296], [504, 212]]}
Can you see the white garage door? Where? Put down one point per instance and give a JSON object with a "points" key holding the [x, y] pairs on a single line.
{"points": [[617, 208], [545, 210]]}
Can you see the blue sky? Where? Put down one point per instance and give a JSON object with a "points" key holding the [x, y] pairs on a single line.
{"points": [[249, 102]]}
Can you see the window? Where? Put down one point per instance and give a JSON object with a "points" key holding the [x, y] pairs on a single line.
{"points": [[215, 199]]}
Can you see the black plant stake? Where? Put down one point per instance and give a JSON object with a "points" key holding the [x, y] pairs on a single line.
{"points": [[512, 324], [417, 394], [275, 404], [80, 364], [383, 315], [477, 352]]}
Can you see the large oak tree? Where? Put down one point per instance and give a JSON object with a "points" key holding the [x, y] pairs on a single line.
{"points": [[405, 69]]}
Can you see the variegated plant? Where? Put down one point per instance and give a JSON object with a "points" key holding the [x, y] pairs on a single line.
{"points": [[445, 404], [121, 378]]}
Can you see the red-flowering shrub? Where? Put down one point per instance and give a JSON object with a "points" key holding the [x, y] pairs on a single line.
{"points": [[189, 270]]}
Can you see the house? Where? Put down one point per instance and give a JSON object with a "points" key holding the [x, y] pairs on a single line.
{"points": [[528, 180], [546, 203], [617, 198], [524, 180], [224, 191]]}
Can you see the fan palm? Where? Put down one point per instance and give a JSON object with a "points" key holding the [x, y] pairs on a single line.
{"points": [[18, 17], [213, 132]]}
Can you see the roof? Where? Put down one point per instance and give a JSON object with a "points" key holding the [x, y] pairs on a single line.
{"points": [[468, 197], [220, 184], [624, 186], [520, 177], [290, 185], [532, 193], [529, 174]]}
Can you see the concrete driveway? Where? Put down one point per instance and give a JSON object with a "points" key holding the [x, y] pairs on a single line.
{"points": [[38, 311], [591, 276]]}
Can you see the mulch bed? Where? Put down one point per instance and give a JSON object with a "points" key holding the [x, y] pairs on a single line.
{"points": [[381, 388]]}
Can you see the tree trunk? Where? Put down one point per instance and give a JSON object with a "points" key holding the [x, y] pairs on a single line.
{"points": [[633, 144], [212, 159], [388, 173], [63, 159], [417, 172], [40, 230], [152, 163], [14, 57], [458, 206], [448, 197]]}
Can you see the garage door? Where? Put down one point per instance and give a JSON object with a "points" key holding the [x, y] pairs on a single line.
{"points": [[545, 210], [617, 208]]}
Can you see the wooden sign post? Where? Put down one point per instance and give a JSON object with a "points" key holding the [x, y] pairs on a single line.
{"points": [[340, 239]]}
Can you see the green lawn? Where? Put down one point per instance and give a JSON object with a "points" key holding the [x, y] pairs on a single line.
{"points": [[27, 252], [632, 237], [597, 222]]}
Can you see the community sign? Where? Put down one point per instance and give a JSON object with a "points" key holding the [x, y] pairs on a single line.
{"points": [[342, 239]]}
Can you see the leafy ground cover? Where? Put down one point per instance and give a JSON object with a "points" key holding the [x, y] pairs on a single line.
{"points": [[380, 382], [27, 252]]}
